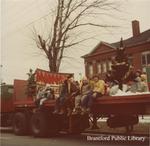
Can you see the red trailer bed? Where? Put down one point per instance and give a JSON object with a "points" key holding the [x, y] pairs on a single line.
{"points": [[141, 98], [131, 104]]}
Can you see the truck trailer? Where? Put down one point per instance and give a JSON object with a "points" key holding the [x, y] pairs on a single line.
{"points": [[19, 110]]}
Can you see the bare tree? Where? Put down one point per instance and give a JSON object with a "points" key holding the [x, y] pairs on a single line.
{"points": [[69, 16]]}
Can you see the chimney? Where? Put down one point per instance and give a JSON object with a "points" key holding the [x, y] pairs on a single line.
{"points": [[135, 28]]}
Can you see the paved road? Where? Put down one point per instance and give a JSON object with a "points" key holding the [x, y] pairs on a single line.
{"points": [[9, 139]]}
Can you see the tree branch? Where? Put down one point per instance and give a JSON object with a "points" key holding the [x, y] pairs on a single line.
{"points": [[71, 14]]}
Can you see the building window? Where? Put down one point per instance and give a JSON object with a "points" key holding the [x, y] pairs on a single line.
{"points": [[130, 59], [104, 67], [146, 58], [109, 65], [99, 68], [10, 90], [90, 69], [143, 60]]}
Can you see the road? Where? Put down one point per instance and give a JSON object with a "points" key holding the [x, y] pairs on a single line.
{"points": [[9, 139]]}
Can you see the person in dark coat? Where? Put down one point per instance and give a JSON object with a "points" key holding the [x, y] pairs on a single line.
{"points": [[131, 75], [135, 82], [68, 91]]}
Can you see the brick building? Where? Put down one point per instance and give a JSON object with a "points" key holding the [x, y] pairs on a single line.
{"points": [[137, 47]]}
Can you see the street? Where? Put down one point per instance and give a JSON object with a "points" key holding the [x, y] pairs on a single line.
{"points": [[9, 139]]}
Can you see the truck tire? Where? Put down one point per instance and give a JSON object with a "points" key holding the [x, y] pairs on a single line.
{"points": [[55, 124], [122, 121], [39, 124], [78, 123], [20, 125], [4, 120]]}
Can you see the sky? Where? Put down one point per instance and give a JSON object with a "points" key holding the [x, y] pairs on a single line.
{"points": [[19, 52]]}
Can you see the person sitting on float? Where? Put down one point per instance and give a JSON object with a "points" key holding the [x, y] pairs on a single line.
{"points": [[68, 90], [44, 94], [134, 84], [97, 91], [110, 82], [85, 89], [144, 83]]}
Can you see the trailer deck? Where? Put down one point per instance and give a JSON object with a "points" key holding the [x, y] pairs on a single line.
{"points": [[131, 104], [135, 104]]}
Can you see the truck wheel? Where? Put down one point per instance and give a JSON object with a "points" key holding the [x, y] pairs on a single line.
{"points": [[39, 124], [54, 124], [78, 123], [4, 120], [20, 124]]}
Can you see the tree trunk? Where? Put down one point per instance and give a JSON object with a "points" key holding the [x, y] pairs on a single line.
{"points": [[53, 67]]}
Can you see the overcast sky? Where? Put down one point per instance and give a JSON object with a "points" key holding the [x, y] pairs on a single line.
{"points": [[19, 53]]}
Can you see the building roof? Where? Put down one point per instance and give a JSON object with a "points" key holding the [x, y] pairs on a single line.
{"points": [[102, 43], [98, 46], [132, 41]]}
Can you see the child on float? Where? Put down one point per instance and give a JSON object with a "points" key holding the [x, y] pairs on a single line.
{"points": [[97, 90]]}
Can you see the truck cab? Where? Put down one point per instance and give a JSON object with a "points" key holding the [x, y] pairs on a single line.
{"points": [[7, 106]]}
